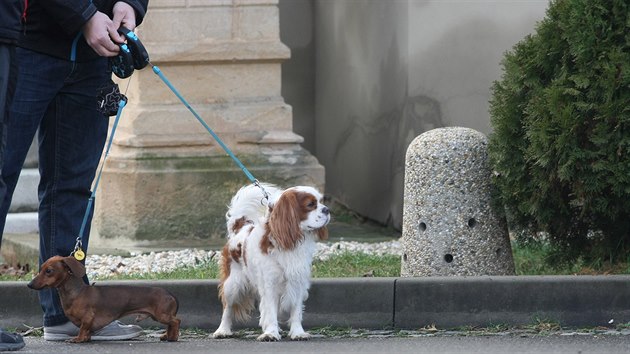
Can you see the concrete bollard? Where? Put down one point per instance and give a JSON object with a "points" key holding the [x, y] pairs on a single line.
{"points": [[449, 227]]}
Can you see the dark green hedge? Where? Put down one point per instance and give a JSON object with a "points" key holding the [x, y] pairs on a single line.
{"points": [[561, 129]]}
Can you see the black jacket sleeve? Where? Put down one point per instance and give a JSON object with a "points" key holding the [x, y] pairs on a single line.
{"points": [[140, 6], [71, 15], [10, 12]]}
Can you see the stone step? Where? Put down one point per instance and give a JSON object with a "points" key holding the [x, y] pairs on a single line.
{"points": [[25, 195], [21, 223], [22, 217]]}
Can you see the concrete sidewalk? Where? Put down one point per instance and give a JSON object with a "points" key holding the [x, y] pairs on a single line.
{"points": [[378, 343], [446, 302]]}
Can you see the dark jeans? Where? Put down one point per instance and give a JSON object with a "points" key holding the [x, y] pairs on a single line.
{"points": [[8, 73], [58, 97]]}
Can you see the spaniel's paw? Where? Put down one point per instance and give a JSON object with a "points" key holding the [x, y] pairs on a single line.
{"points": [[300, 336], [268, 337], [222, 333]]}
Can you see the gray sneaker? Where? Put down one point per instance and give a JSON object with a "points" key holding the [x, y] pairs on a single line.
{"points": [[113, 331], [10, 341]]}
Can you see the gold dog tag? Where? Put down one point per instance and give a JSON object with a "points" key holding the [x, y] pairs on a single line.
{"points": [[79, 255]]}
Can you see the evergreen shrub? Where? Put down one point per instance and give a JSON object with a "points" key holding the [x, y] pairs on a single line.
{"points": [[561, 130]]}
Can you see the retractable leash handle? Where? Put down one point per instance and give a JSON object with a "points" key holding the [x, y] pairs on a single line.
{"points": [[122, 64], [132, 55], [138, 51]]}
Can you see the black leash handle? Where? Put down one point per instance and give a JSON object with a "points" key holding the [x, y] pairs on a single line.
{"points": [[132, 55]]}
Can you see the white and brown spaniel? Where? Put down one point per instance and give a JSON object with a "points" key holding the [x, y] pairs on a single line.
{"points": [[268, 257]]}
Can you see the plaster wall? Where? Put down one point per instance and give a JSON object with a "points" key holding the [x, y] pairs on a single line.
{"points": [[387, 71]]}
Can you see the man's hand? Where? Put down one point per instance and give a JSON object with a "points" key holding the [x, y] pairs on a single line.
{"points": [[98, 35], [124, 15], [101, 32]]}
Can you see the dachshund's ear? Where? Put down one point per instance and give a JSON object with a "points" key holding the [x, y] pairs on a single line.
{"points": [[284, 222], [76, 268]]}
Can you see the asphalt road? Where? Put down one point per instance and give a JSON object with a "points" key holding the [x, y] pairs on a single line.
{"points": [[588, 343]]}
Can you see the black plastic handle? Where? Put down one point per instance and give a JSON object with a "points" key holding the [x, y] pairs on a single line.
{"points": [[138, 51]]}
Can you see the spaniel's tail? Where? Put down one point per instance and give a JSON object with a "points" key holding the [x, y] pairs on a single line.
{"points": [[249, 205], [242, 311], [242, 308], [238, 295]]}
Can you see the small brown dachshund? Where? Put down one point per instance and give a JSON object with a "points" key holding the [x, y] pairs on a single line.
{"points": [[93, 307]]}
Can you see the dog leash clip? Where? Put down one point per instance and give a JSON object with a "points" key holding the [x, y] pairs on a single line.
{"points": [[264, 192]]}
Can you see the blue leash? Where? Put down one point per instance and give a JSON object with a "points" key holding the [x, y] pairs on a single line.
{"points": [[159, 73], [78, 252], [238, 162]]}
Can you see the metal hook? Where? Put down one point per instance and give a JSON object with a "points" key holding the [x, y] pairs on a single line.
{"points": [[265, 194]]}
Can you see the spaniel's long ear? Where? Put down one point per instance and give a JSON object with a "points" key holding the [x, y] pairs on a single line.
{"points": [[77, 269], [284, 222], [322, 233]]}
